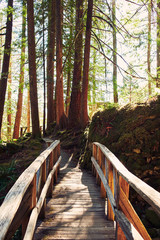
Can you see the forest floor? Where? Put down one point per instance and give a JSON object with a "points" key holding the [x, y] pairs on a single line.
{"points": [[15, 157]]}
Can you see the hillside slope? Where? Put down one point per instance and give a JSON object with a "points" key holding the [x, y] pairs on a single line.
{"points": [[132, 133]]}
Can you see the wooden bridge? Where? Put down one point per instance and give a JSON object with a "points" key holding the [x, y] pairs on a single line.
{"points": [[75, 207]]}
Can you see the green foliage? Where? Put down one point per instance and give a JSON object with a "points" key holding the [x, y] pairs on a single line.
{"points": [[8, 170]]}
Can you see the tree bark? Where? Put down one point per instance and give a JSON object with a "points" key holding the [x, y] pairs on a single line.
{"points": [[115, 92], [50, 63], [21, 79], [6, 60], [28, 111], [84, 110], [69, 60], [9, 104], [75, 104], [158, 44], [60, 114], [44, 73], [149, 49], [32, 71], [1, 43]]}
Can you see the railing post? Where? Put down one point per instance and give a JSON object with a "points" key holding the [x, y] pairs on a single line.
{"points": [[50, 168], [58, 155], [43, 180], [110, 213], [103, 191], [94, 155], [55, 160], [125, 187], [98, 159], [33, 201]]}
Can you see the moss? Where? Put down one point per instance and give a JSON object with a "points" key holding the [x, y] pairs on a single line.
{"points": [[13, 147], [85, 159], [2, 148]]}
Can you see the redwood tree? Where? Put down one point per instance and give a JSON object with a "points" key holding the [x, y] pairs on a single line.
{"points": [[75, 104], [9, 104], [21, 79], [158, 44], [50, 63], [149, 49], [60, 114], [84, 110], [32, 70], [6, 59], [28, 110]]}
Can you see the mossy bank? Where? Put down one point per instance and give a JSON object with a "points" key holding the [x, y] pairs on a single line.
{"points": [[132, 133]]}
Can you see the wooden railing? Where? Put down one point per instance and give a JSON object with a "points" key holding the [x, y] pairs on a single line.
{"points": [[26, 200], [115, 180]]}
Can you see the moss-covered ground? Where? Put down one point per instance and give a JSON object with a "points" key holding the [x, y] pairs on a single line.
{"points": [[15, 157]]}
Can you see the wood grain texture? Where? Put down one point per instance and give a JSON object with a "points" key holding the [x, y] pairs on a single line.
{"points": [[132, 216], [13, 199], [127, 227], [76, 210], [34, 215], [149, 194]]}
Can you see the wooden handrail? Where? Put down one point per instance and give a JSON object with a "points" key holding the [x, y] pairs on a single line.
{"points": [[115, 180], [29, 191]]}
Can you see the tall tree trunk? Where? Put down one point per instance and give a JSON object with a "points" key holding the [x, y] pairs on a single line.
{"points": [[158, 44], [84, 110], [50, 63], [94, 77], [149, 49], [28, 111], [6, 60], [69, 64], [9, 104], [67, 102], [60, 114], [1, 17], [32, 71], [44, 74], [21, 79], [115, 92], [75, 104]]}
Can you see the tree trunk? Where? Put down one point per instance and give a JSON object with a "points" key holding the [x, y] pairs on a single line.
{"points": [[149, 49], [84, 110], [9, 105], [67, 102], [94, 77], [75, 104], [60, 114], [6, 59], [44, 73], [50, 63], [1, 17], [69, 61], [115, 92], [32, 71], [158, 44], [28, 111], [21, 79]]}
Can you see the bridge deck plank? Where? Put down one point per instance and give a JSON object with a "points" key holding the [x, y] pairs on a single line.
{"points": [[76, 210]]}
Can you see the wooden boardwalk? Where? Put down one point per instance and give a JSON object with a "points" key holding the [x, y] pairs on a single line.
{"points": [[76, 210]]}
